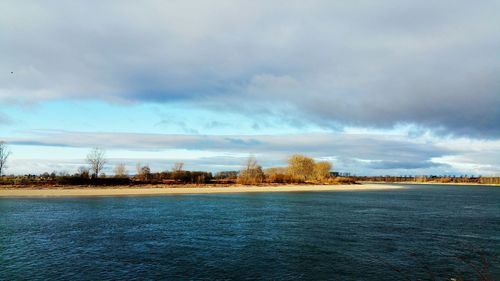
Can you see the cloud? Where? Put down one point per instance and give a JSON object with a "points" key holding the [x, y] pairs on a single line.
{"points": [[362, 154], [359, 145], [389, 165], [271, 149], [331, 63]]}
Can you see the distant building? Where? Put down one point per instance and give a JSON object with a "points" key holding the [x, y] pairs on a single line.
{"points": [[340, 174]]}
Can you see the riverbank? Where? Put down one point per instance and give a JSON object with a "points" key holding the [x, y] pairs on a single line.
{"points": [[428, 183], [169, 190]]}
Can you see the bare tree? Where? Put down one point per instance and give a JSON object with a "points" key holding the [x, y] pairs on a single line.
{"points": [[177, 167], [251, 163], [252, 172], [143, 172], [177, 173], [146, 172], [4, 155], [138, 167], [96, 159], [120, 170], [83, 172]]}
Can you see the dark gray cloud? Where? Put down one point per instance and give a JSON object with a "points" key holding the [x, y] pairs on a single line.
{"points": [[333, 63]]}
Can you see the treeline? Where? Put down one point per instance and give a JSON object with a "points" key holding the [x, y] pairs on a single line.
{"points": [[431, 179], [167, 177], [300, 169]]}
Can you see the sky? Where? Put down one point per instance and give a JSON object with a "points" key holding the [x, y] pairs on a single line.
{"points": [[388, 87]]}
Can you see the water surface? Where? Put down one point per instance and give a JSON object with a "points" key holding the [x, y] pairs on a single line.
{"points": [[367, 235]]}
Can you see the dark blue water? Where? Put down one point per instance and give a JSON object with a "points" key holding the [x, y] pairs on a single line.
{"points": [[372, 235]]}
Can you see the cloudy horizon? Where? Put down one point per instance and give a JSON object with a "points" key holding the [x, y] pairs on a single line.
{"points": [[378, 88]]}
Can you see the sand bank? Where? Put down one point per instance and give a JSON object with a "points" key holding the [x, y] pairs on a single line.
{"points": [[166, 190], [429, 183]]}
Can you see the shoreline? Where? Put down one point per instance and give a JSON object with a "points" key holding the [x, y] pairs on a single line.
{"points": [[166, 190], [429, 183]]}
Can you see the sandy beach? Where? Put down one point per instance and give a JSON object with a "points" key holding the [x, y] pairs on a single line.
{"points": [[167, 190]]}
